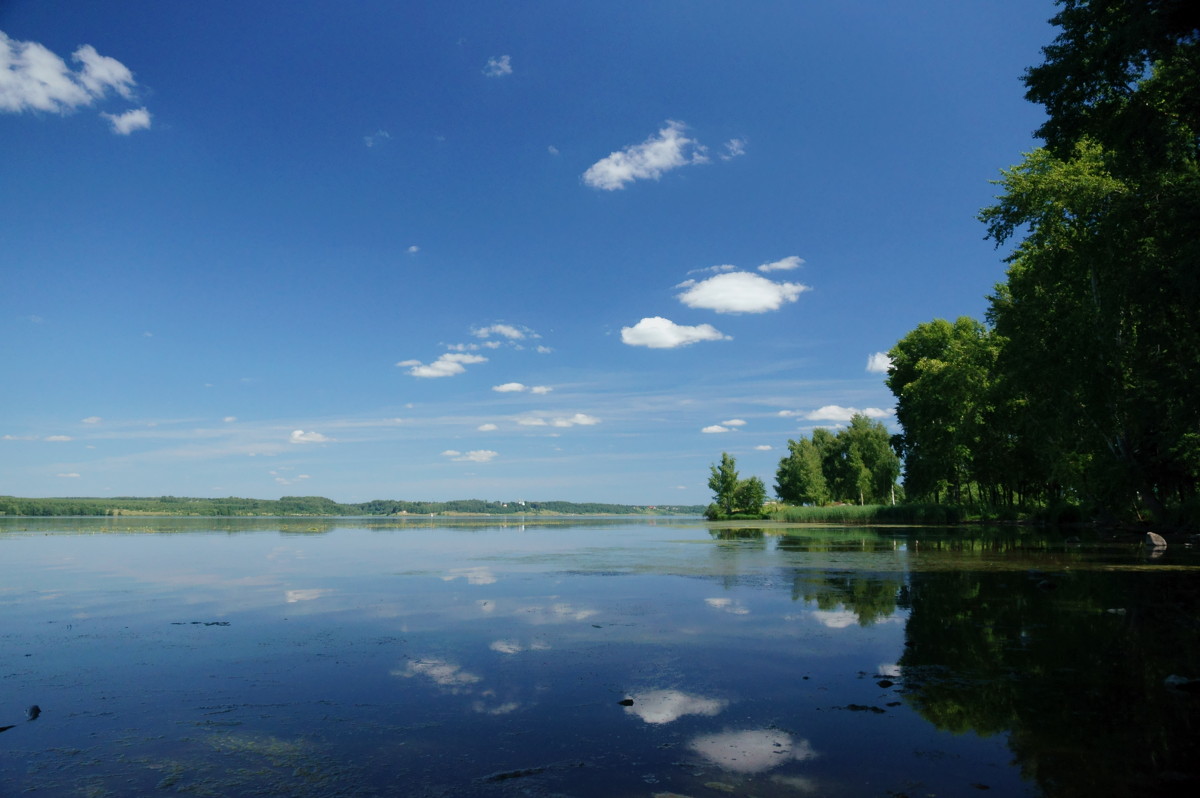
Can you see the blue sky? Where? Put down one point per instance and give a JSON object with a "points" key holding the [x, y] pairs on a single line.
{"points": [[480, 250]]}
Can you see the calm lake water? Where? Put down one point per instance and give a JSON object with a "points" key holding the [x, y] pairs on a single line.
{"points": [[360, 657]]}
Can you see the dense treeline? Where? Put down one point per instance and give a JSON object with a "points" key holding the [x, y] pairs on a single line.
{"points": [[315, 506], [856, 465], [1082, 385]]}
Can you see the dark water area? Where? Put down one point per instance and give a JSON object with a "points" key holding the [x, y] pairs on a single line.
{"points": [[360, 657]]}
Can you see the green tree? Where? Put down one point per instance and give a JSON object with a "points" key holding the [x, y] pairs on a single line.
{"points": [[723, 482], [749, 496], [800, 478]]}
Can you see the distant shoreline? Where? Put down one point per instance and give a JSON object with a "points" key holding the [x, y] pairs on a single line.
{"points": [[315, 507]]}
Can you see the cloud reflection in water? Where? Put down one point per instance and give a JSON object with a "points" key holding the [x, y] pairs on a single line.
{"points": [[751, 751], [664, 706]]}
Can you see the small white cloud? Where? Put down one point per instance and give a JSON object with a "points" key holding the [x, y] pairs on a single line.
{"points": [[229, 419], [413, 250], [532, 421], [543, 350], [734, 422], [839, 413], [509, 331], [579, 419], [487, 428], [784, 265], [58, 438], [787, 413], [447, 365], [540, 389], [91, 420], [715, 428], [739, 292], [444, 674], [659, 333], [474, 456], [879, 363], [669, 149], [498, 67], [733, 148], [378, 137], [509, 387], [552, 150], [71, 475], [763, 447], [126, 123], [300, 436], [836, 619]]}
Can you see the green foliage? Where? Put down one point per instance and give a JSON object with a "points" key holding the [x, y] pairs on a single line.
{"points": [[856, 465], [734, 497], [909, 513], [1083, 391]]}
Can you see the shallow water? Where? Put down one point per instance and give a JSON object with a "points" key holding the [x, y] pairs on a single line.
{"points": [[590, 658]]}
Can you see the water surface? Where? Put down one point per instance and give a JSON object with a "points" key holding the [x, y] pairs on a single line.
{"points": [[590, 658]]}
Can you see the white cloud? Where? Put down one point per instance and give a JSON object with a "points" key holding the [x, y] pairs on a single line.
{"points": [[715, 428], [734, 422], [668, 150], [733, 148], [229, 419], [58, 438], [543, 350], [413, 250], [487, 428], [32, 78], [659, 333], [498, 66], [509, 331], [879, 363], [300, 436], [552, 150], [739, 292], [517, 387], [836, 619], [839, 413], [71, 475], [126, 123], [474, 456], [579, 419], [91, 420], [783, 265], [763, 447], [447, 365]]}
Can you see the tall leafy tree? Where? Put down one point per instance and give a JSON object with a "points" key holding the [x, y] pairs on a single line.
{"points": [[723, 482], [800, 478]]}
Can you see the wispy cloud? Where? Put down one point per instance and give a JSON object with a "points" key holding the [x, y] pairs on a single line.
{"points": [[300, 436], [91, 420], [733, 148], [669, 149], [487, 427], [783, 265], [659, 333], [498, 66], [447, 365], [517, 387], [739, 292], [378, 137], [839, 413], [474, 456], [715, 429], [510, 331], [575, 420]]}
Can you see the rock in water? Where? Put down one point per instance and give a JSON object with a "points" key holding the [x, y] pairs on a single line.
{"points": [[1154, 540], [33, 712]]}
